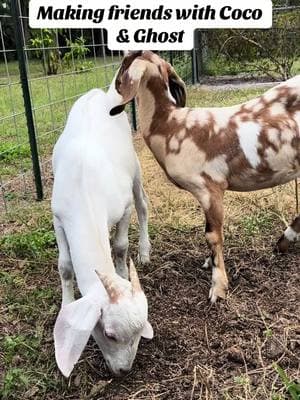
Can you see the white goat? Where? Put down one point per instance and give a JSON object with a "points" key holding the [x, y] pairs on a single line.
{"points": [[96, 176], [206, 151]]}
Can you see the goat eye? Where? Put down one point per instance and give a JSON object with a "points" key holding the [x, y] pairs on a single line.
{"points": [[110, 336]]}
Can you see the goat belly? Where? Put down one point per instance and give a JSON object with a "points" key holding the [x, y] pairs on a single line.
{"points": [[253, 180]]}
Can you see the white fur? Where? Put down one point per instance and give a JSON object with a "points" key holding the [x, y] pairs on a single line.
{"points": [[97, 175], [248, 133], [291, 235], [136, 73]]}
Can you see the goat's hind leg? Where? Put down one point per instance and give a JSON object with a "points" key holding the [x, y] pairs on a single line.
{"points": [[212, 203], [141, 206], [120, 244], [65, 265], [290, 235], [208, 263]]}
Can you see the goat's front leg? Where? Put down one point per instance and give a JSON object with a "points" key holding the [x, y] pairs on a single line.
{"points": [[212, 203], [65, 265], [290, 235], [120, 244], [140, 200]]}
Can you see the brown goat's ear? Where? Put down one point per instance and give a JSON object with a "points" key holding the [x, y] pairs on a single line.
{"points": [[177, 88], [129, 83]]}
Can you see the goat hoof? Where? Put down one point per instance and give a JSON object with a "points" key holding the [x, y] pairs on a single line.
{"points": [[144, 253], [207, 264], [143, 259], [218, 292]]}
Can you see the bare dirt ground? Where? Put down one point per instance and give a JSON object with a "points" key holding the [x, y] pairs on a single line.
{"points": [[202, 351], [241, 81]]}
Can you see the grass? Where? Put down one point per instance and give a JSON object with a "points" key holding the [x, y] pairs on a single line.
{"points": [[52, 98], [220, 65], [30, 299], [291, 386]]}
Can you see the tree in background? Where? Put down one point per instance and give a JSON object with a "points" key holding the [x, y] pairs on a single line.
{"points": [[268, 52], [76, 56], [47, 50]]}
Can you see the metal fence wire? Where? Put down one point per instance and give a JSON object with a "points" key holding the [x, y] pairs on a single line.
{"points": [[42, 73], [263, 54]]}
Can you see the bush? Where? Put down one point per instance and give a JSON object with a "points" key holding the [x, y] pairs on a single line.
{"points": [[271, 52], [50, 57], [77, 54]]}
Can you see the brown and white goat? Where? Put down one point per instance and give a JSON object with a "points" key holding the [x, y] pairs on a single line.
{"points": [[206, 151]]}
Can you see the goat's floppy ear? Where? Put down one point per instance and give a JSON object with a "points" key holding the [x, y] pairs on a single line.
{"points": [[129, 83], [72, 330], [147, 331], [177, 88]]}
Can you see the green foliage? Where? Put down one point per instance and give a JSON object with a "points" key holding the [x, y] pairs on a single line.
{"points": [[256, 224], [221, 65], [271, 52], [242, 380], [9, 152], [28, 244], [76, 55], [10, 345], [183, 66], [44, 43], [18, 345], [292, 387], [14, 379], [285, 3], [268, 333]]}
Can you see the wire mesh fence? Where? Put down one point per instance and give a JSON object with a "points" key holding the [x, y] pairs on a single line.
{"points": [[59, 66], [270, 54]]}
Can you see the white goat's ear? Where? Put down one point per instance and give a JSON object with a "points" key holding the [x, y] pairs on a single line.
{"points": [[72, 330], [147, 331]]}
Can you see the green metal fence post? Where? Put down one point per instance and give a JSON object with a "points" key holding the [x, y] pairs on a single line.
{"points": [[194, 67], [15, 9], [197, 55]]}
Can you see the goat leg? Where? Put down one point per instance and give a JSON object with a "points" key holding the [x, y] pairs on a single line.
{"points": [[211, 201], [290, 235]]}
